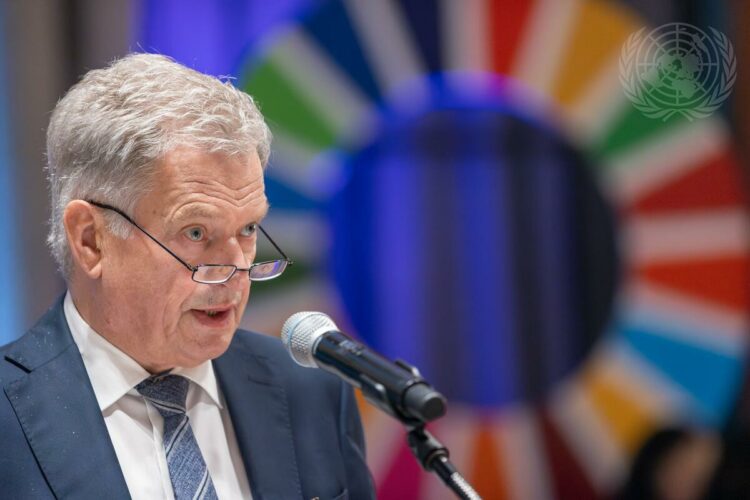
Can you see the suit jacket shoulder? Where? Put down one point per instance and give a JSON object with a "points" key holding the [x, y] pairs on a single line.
{"points": [[54, 440]]}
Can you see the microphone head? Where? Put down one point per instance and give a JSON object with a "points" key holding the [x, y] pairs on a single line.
{"points": [[301, 332]]}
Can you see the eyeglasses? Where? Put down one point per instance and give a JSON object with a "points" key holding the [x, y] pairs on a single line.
{"points": [[213, 274]]}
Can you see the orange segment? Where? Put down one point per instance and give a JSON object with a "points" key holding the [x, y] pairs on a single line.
{"points": [[486, 470], [596, 40], [626, 419]]}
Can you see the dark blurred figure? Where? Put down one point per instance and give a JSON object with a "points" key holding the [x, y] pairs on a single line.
{"points": [[732, 478], [675, 464]]}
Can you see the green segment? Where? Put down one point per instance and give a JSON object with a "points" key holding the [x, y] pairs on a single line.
{"points": [[283, 106], [294, 275], [631, 128]]}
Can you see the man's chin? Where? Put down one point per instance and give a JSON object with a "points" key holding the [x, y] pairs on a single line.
{"points": [[209, 337], [199, 354]]}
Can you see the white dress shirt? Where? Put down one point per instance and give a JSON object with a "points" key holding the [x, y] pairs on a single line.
{"points": [[136, 427]]}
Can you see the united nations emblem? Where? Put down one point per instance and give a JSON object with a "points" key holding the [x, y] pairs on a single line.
{"points": [[677, 69]]}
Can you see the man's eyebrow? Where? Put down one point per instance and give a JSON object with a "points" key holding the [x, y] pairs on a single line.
{"points": [[193, 212], [207, 213]]}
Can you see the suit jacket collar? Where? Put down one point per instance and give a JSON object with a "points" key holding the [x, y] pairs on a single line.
{"points": [[58, 412], [257, 403]]}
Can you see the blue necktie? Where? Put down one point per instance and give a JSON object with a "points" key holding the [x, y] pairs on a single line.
{"points": [[187, 469]]}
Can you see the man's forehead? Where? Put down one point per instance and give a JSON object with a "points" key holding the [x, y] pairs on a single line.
{"points": [[190, 183], [206, 211]]}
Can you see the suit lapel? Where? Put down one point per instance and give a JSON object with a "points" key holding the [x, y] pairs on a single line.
{"points": [[57, 409], [258, 406]]}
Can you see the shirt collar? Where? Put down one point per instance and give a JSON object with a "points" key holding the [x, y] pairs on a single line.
{"points": [[113, 373]]}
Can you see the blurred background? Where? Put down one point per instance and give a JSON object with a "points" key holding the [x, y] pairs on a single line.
{"points": [[463, 184]]}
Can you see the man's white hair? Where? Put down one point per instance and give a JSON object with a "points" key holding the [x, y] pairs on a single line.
{"points": [[107, 135]]}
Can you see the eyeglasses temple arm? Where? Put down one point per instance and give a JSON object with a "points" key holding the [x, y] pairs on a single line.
{"points": [[127, 218], [274, 244]]}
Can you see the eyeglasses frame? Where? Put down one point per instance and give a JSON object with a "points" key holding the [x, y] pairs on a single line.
{"points": [[194, 269]]}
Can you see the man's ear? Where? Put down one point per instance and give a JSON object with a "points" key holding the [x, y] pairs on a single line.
{"points": [[83, 229]]}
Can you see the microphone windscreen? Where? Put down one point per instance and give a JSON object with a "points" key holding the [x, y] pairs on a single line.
{"points": [[300, 333]]}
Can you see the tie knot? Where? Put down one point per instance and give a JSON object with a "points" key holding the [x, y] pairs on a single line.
{"points": [[166, 392]]}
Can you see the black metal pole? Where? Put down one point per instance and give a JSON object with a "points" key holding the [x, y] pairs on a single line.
{"points": [[433, 457]]}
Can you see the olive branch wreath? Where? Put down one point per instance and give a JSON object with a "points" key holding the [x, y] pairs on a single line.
{"points": [[649, 106]]}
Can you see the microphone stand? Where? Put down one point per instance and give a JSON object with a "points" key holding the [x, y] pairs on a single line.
{"points": [[433, 457], [430, 453]]}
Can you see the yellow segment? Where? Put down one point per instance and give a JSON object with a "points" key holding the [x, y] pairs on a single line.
{"points": [[629, 421], [595, 42]]}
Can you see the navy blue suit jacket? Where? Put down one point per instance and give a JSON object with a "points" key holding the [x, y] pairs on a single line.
{"points": [[298, 429]]}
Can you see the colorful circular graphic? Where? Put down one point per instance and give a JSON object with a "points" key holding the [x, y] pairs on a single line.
{"points": [[471, 162]]}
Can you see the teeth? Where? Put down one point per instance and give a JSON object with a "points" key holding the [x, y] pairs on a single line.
{"points": [[211, 313]]}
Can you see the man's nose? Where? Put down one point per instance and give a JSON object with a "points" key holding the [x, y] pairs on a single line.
{"points": [[233, 253]]}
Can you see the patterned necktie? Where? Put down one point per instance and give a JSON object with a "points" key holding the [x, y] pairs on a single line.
{"points": [[187, 469]]}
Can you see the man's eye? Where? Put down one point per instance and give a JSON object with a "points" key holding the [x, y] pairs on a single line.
{"points": [[194, 234], [248, 230]]}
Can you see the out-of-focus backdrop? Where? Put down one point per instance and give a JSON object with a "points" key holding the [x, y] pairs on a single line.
{"points": [[463, 184]]}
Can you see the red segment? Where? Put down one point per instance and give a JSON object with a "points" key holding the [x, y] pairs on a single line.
{"points": [[568, 479], [402, 482], [486, 471], [724, 281], [507, 20], [715, 183]]}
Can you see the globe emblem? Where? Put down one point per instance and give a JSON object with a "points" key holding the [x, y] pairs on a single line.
{"points": [[679, 73], [677, 69]]}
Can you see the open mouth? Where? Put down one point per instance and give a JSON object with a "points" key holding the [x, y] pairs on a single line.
{"points": [[212, 317]]}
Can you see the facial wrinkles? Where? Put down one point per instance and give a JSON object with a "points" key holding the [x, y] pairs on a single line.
{"points": [[238, 197], [189, 207]]}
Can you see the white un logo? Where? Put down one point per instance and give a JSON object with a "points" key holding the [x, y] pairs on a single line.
{"points": [[677, 69]]}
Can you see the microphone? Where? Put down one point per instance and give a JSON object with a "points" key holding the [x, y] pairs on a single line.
{"points": [[313, 340]]}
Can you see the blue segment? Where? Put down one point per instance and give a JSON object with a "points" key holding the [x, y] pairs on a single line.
{"points": [[211, 37], [190, 31], [352, 217], [397, 238], [331, 27], [423, 17], [710, 377], [553, 226], [483, 243], [12, 291], [284, 197]]}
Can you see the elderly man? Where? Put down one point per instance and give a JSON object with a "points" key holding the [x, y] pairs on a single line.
{"points": [[137, 383]]}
